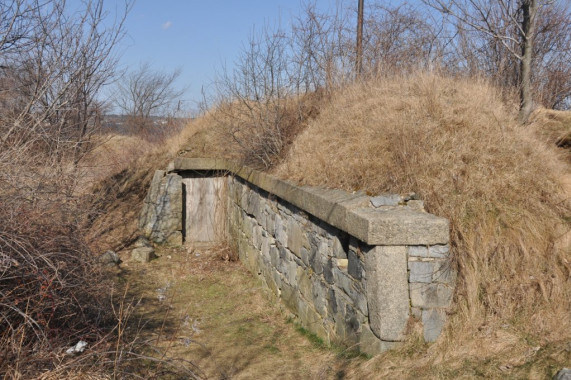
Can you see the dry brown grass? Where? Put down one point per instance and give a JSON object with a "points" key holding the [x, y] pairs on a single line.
{"points": [[204, 139], [113, 153], [455, 144]]}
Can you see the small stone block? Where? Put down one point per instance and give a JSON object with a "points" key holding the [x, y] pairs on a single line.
{"points": [[438, 251], [385, 200], [355, 266], [343, 263], [109, 258], [294, 241], [328, 271], [563, 374], [430, 295], [433, 321], [142, 242], [420, 271], [143, 254], [305, 256], [332, 304], [281, 231], [337, 249], [418, 251]]}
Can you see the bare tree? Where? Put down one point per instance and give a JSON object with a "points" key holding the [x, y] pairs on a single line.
{"points": [[54, 67], [254, 97], [505, 26], [399, 39], [323, 48], [144, 93], [551, 77]]}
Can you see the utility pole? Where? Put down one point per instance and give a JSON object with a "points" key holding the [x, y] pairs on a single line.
{"points": [[359, 55]]}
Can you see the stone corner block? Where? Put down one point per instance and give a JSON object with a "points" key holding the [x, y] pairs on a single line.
{"points": [[371, 345], [162, 211], [398, 226], [387, 291]]}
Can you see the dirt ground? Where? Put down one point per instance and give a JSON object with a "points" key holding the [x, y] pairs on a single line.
{"points": [[212, 312]]}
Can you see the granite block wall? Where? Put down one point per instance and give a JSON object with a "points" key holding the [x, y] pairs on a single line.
{"points": [[339, 287]]}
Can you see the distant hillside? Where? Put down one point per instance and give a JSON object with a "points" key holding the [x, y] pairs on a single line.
{"points": [[119, 124]]}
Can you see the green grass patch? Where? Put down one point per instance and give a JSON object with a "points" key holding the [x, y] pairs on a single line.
{"points": [[315, 340]]}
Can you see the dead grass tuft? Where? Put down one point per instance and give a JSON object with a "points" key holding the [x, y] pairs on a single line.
{"points": [[554, 127], [455, 144], [113, 153]]}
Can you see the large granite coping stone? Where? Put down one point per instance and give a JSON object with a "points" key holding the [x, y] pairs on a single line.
{"points": [[346, 211]]}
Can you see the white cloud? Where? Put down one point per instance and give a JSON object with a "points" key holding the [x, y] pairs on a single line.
{"points": [[167, 25]]}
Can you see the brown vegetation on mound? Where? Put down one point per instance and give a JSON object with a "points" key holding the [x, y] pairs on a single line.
{"points": [[455, 144], [254, 133]]}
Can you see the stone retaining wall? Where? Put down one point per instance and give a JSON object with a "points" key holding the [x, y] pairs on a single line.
{"points": [[350, 267]]}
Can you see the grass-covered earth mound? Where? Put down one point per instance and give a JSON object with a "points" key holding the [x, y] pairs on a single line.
{"points": [[504, 187], [454, 142]]}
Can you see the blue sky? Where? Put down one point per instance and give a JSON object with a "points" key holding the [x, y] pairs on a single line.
{"points": [[198, 36]]}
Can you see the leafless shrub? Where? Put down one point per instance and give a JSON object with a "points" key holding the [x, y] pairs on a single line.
{"points": [[280, 75], [263, 103], [552, 73], [253, 99], [53, 75], [52, 291]]}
